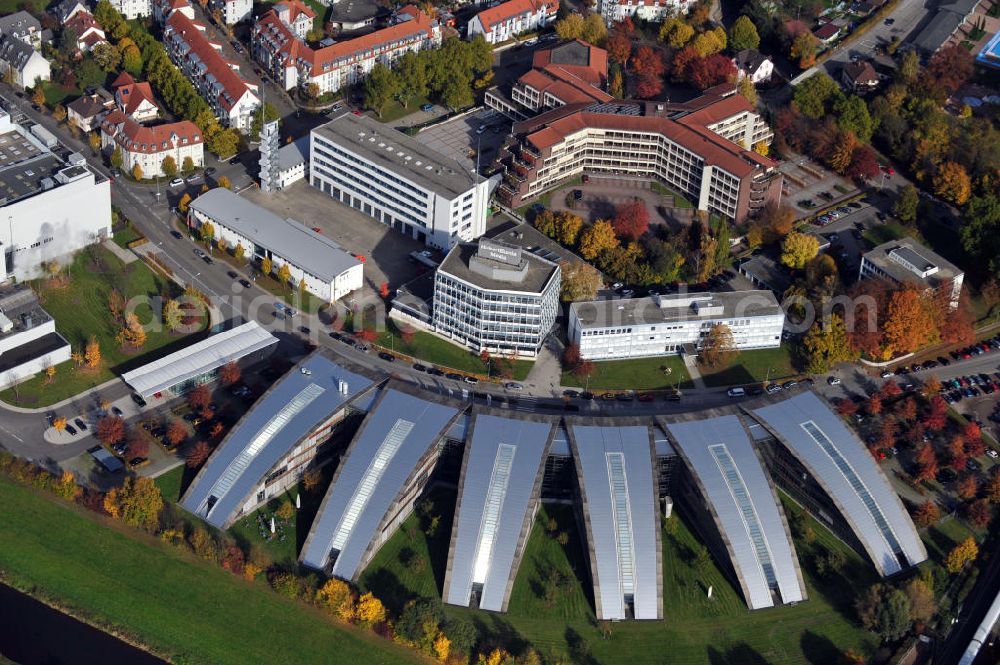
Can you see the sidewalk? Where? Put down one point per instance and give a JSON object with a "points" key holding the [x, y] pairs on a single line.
{"points": [[126, 256]]}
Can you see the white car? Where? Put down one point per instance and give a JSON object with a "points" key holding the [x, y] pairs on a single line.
{"points": [[833, 381], [176, 182], [992, 453], [513, 386]]}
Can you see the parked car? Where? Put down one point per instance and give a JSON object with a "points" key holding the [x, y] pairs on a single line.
{"points": [[511, 385], [434, 371], [833, 381], [388, 357], [426, 107], [471, 380], [736, 392], [115, 411], [79, 423], [194, 179], [176, 182], [137, 398], [70, 430]]}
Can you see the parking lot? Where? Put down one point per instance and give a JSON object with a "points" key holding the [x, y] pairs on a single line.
{"points": [[386, 251], [459, 140], [809, 187]]}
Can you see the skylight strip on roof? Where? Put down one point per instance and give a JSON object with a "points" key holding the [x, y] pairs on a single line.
{"points": [[304, 398], [491, 512], [622, 516], [751, 521], [856, 483], [383, 456]]}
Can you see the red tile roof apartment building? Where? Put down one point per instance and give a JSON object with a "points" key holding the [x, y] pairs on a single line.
{"points": [[509, 19], [695, 148], [147, 147], [232, 98], [278, 45], [570, 73]]}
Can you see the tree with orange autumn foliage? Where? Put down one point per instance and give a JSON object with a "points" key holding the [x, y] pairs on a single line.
{"points": [[910, 322], [926, 514]]}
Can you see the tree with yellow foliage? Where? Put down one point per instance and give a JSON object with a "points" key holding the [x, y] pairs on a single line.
{"points": [[675, 32], [442, 645], [92, 353], [797, 249], [370, 609], [952, 183], [137, 172], [50, 374], [59, 424], [132, 334], [266, 266], [496, 657], [962, 554], [66, 486], [598, 238], [251, 571], [137, 503], [337, 598], [182, 205], [284, 274], [761, 148]]}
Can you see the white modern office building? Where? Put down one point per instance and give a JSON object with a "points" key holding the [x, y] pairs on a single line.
{"points": [[398, 181], [53, 208], [905, 260], [658, 325], [28, 339], [495, 297], [654, 11], [329, 272]]}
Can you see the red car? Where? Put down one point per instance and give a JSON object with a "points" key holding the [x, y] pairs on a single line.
{"points": [[889, 170]]}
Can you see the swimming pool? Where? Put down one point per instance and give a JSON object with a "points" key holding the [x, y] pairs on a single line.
{"points": [[989, 55]]}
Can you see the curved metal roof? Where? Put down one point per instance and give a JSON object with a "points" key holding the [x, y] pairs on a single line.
{"points": [[286, 413], [615, 471], [398, 432], [498, 496], [845, 469], [745, 506]]}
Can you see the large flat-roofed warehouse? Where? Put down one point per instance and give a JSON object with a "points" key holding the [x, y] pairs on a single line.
{"points": [[398, 181], [836, 459], [498, 497], [728, 489], [658, 325], [615, 471], [289, 421], [329, 272], [199, 363], [382, 473]]}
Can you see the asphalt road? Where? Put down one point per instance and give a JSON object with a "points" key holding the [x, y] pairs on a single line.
{"points": [[907, 19]]}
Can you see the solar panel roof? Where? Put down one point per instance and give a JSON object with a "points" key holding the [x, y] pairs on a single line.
{"points": [[498, 494], [615, 472], [842, 465], [731, 478], [397, 433], [287, 412]]}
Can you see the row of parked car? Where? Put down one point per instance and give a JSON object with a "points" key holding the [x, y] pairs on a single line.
{"points": [[970, 386], [418, 367]]}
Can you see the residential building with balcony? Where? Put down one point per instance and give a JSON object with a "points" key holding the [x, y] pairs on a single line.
{"points": [[147, 147], [905, 260], [654, 11], [231, 97], [22, 64], [135, 99], [278, 44], [509, 19], [234, 11], [398, 181], [667, 324], [698, 148], [131, 9], [494, 296]]}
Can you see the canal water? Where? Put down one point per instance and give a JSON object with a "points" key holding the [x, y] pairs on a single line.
{"points": [[32, 633]]}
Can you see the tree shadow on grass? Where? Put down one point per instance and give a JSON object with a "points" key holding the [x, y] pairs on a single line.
{"points": [[494, 630], [384, 584], [579, 648], [818, 649], [741, 654]]}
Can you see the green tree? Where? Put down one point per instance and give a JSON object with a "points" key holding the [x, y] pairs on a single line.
{"points": [[907, 204], [132, 60], [743, 34], [206, 231], [909, 67], [137, 503], [826, 345], [106, 56], [187, 166], [89, 73], [675, 32], [570, 27], [852, 116], [224, 142], [797, 249], [381, 86], [169, 166], [412, 72], [815, 96], [803, 49], [173, 317], [981, 231], [884, 611]]}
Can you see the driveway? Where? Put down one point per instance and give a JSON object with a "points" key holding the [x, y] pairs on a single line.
{"points": [[602, 196]]}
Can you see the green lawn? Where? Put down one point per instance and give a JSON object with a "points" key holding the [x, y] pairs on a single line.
{"points": [[57, 94], [126, 235], [753, 366], [680, 201], [394, 110], [11, 6], [173, 483], [184, 608], [432, 349], [885, 233], [695, 630], [637, 374], [81, 310]]}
